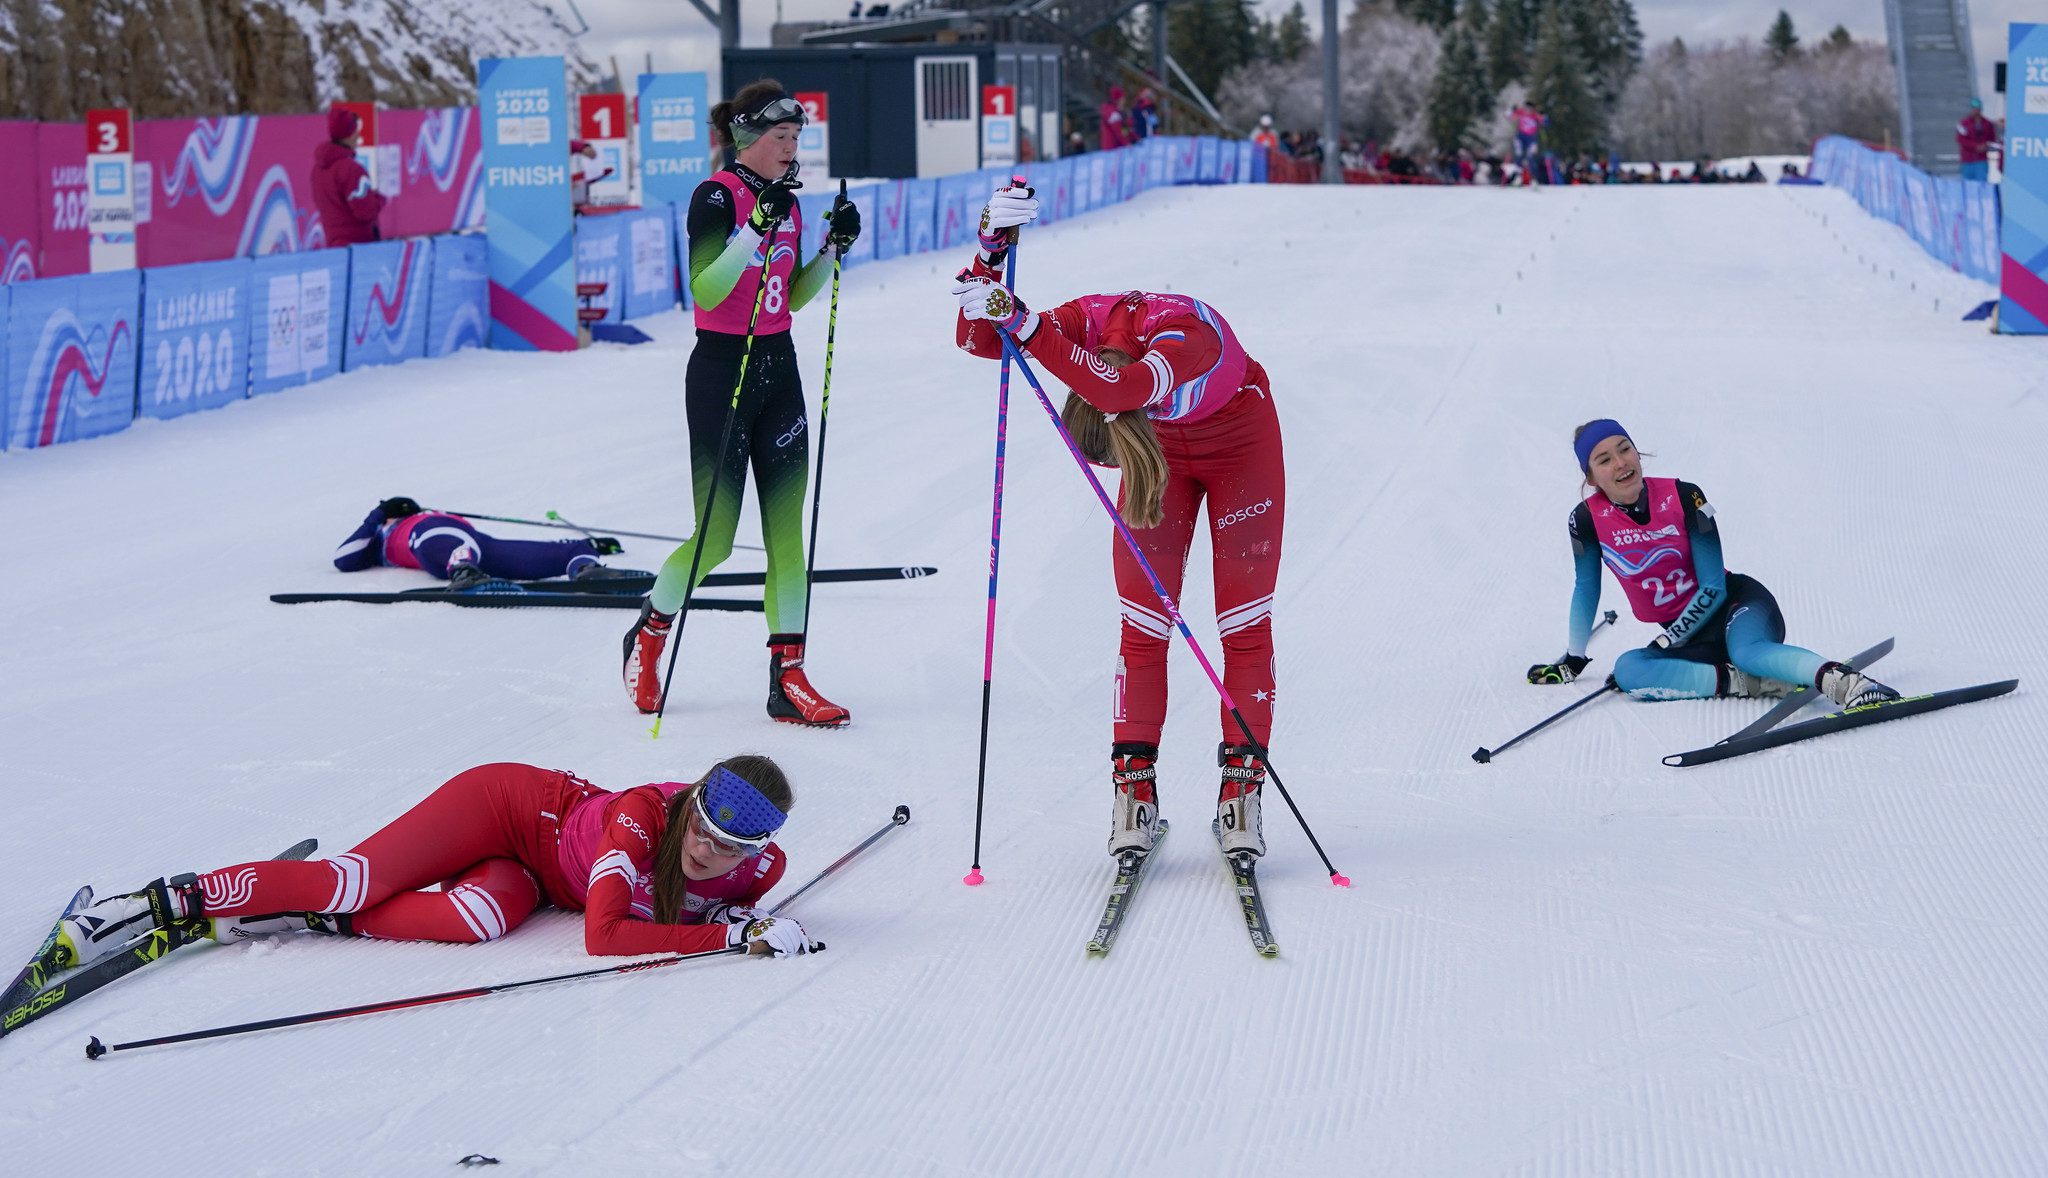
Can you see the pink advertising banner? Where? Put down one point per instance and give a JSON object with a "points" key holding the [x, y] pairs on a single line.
{"points": [[60, 191], [21, 231]]}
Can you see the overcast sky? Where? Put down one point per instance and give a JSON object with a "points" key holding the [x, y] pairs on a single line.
{"points": [[680, 39]]}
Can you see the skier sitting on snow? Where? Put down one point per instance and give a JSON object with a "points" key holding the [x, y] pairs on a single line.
{"points": [[674, 867], [1162, 390], [400, 533], [1723, 634]]}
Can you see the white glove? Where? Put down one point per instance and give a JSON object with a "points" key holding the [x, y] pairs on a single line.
{"points": [[733, 914], [779, 935], [1006, 211], [987, 300]]}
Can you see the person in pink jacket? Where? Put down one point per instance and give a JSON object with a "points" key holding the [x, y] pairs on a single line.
{"points": [[347, 202], [1116, 122]]}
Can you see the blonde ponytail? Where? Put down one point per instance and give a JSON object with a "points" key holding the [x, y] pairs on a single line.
{"points": [[1127, 443]]}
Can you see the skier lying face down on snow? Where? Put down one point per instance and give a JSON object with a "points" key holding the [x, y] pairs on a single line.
{"points": [[1162, 390], [672, 867], [1723, 633], [400, 533]]}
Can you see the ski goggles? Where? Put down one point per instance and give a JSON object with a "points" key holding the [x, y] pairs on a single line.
{"points": [[747, 128], [733, 818]]}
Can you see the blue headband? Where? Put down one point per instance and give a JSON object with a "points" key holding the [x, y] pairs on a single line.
{"points": [[1595, 433], [737, 809]]}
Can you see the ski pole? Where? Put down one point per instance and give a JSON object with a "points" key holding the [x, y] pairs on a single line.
{"points": [[95, 1049], [732, 411], [1483, 755], [824, 420], [556, 521], [901, 816], [973, 877], [1172, 610]]}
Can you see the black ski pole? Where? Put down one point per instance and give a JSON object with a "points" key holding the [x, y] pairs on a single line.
{"points": [[824, 420], [732, 410], [1483, 755], [95, 1049], [558, 522]]}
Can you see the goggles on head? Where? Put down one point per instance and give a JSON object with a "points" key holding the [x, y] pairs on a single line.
{"points": [[747, 128], [733, 816]]}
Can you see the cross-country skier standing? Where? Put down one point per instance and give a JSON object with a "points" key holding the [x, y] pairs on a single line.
{"points": [[400, 533], [1162, 390], [674, 867], [744, 214], [1723, 634]]}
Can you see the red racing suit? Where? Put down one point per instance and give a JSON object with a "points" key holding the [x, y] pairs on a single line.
{"points": [[491, 837], [1231, 458]]}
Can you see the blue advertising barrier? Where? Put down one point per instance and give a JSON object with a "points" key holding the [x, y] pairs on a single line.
{"points": [[921, 212], [814, 205], [527, 218], [1956, 221], [387, 302], [865, 197], [296, 306], [1207, 164], [2023, 254], [959, 210], [459, 295], [650, 263], [887, 222], [71, 358], [600, 254], [673, 145], [195, 337]]}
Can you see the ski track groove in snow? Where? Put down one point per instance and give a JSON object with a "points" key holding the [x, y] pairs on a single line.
{"points": [[1818, 960]]}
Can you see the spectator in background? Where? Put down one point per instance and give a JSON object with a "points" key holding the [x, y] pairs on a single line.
{"points": [[1529, 123], [342, 193], [1116, 122], [855, 14], [581, 152], [1264, 136], [1144, 116], [1975, 137]]}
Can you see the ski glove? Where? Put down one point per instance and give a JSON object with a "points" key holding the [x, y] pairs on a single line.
{"points": [[778, 935], [607, 545], [982, 298], [1007, 211], [842, 227], [1563, 670], [398, 507], [772, 205]]}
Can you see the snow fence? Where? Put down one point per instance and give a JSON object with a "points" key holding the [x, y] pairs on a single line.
{"points": [[1954, 220], [87, 355]]}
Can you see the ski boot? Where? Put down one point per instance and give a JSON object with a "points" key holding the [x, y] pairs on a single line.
{"points": [[463, 570], [791, 698], [586, 569], [1134, 817], [643, 645], [1237, 803], [1736, 681], [229, 929], [107, 927], [1850, 688]]}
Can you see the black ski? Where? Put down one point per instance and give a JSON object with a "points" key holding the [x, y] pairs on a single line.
{"points": [[510, 596], [641, 582], [1784, 708], [1130, 871], [1877, 713], [36, 972], [1245, 879], [150, 946]]}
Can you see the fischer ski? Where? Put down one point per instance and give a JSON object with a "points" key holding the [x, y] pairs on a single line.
{"points": [[1244, 878], [1847, 718], [150, 946], [1130, 871], [1784, 708], [508, 594], [37, 971]]}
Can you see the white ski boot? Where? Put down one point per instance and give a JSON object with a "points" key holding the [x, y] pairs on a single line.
{"points": [[1736, 681], [107, 927], [1237, 803], [1134, 818], [1851, 688]]}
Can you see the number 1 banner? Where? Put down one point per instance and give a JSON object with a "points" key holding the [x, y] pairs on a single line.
{"points": [[998, 126], [528, 220]]}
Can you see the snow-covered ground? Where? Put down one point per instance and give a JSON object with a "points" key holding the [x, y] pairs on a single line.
{"points": [[1820, 960]]}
